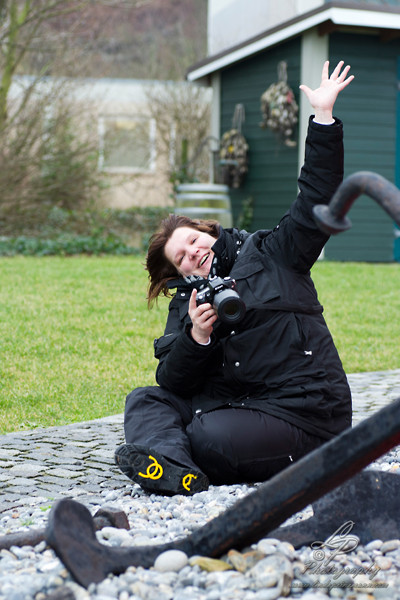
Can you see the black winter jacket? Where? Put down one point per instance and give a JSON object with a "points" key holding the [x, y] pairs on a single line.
{"points": [[281, 358]]}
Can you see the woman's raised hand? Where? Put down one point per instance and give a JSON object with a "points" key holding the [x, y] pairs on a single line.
{"points": [[323, 98]]}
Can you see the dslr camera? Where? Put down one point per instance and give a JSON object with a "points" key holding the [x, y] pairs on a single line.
{"points": [[222, 295]]}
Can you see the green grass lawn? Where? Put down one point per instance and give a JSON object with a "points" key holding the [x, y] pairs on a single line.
{"points": [[362, 309], [76, 335]]}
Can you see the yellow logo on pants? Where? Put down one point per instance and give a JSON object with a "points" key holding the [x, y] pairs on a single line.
{"points": [[186, 481], [154, 470]]}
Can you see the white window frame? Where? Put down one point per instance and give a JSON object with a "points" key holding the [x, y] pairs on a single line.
{"points": [[125, 168]]}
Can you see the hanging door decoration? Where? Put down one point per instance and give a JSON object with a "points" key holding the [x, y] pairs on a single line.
{"points": [[279, 108], [233, 154]]}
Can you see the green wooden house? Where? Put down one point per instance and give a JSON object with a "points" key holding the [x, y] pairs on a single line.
{"points": [[365, 35]]}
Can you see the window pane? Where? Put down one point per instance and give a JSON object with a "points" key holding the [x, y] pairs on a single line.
{"points": [[127, 143]]}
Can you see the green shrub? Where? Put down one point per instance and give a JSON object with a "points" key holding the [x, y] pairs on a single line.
{"points": [[64, 245], [139, 219], [48, 160]]}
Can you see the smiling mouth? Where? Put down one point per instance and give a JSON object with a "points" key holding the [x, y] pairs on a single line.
{"points": [[203, 260]]}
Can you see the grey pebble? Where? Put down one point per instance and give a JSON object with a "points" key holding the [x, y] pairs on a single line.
{"points": [[373, 545], [389, 546], [170, 560], [267, 594]]}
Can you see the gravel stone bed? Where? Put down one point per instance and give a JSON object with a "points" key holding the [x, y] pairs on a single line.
{"points": [[40, 466]]}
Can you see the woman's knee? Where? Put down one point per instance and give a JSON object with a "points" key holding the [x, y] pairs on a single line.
{"points": [[237, 445], [138, 394], [153, 409]]}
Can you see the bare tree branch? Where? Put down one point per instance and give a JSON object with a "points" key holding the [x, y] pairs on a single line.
{"points": [[182, 115], [125, 3]]}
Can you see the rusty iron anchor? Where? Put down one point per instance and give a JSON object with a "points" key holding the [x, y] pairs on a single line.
{"points": [[70, 531]]}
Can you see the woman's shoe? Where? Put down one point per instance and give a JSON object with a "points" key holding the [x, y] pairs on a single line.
{"points": [[157, 474]]}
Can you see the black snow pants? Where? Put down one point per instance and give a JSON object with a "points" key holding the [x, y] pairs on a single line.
{"points": [[230, 445]]}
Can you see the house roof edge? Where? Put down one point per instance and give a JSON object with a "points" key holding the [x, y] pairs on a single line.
{"points": [[340, 13]]}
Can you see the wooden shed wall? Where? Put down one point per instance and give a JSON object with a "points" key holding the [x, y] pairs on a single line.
{"points": [[368, 110], [272, 177]]}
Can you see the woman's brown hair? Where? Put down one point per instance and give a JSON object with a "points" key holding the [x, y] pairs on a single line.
{"points": [[160, 269]]}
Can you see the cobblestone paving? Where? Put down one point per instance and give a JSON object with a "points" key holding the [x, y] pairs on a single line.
{"points": [[77, 461]]}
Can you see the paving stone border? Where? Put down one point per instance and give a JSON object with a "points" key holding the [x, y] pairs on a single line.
{"points": [[77, 460], [74, 460]]}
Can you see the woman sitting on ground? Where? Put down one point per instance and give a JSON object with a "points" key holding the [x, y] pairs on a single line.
{"points": [[240, 402]]}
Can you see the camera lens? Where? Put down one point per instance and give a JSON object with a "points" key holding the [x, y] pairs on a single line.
{"points": [[229, 306]]}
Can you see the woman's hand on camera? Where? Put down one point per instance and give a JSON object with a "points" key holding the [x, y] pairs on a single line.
{"points": [[203, 317]]}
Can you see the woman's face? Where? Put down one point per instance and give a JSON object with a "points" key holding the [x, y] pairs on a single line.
{"points": [[190, 251]]}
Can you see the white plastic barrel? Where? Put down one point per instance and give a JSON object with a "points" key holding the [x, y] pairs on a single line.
{"points": [[204, 201]]}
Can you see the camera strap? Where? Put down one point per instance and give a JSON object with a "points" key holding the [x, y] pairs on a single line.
{"points": [[196, 282]]}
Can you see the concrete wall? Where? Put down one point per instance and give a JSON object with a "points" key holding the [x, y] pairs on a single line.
{"points": [[231, 22]]}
